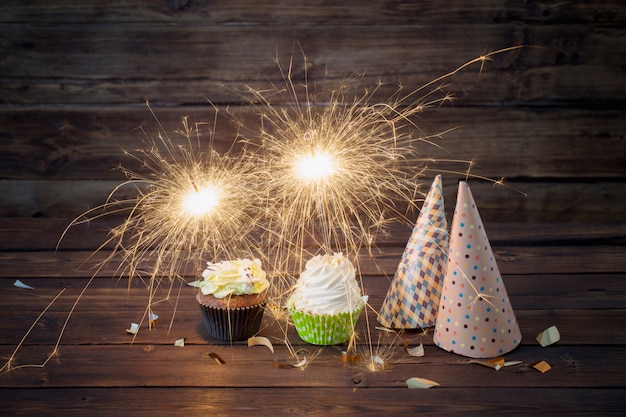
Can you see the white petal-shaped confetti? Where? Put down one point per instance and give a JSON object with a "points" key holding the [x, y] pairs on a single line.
{"points": [[384, 329], [421, 383], [260, 340], [134, 328], [495, 363], [512, 363], [153, 316], [300, 363], [180, 342], [417, 350], [549, 336], [20, 284]]}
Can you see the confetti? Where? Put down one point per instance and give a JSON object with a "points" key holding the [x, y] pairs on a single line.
{"points": [[549, 336], [260, 340], [300, 363], [495, 363], [420, 383], [384, 329], [20, 284], [542, 366], [346, 357], [417, 350], [180, 342], [217, 358], [279, 365], [134, 328]]}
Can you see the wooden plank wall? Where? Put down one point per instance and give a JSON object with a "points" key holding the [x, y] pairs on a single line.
{"points": [[75, 75]]}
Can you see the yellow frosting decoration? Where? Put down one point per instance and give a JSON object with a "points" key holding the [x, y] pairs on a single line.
{"points": [[237, 277]]}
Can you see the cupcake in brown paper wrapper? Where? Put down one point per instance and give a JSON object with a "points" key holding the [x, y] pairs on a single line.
{"points": [[232, 298]]}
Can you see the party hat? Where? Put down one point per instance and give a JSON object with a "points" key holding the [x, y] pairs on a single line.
{"points": [[475, 317], [413, 297]]}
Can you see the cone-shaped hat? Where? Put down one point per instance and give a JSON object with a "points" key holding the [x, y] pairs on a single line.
{"points": [[475, 317], [413, 297]]}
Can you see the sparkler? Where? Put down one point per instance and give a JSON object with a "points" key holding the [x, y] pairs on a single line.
{"points": [[192, 204], [338, 171]]}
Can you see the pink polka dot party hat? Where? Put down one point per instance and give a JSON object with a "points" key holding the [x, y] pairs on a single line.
{"points": [[475, 317], [413, 297]]}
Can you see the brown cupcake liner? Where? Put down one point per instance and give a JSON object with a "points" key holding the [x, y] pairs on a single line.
{"points": [[232, 324]]}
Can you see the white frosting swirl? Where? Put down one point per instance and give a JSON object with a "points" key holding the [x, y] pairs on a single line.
{"points": [[328, 285]]}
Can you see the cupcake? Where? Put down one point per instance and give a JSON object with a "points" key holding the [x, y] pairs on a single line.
{"points": [[232, 298], [326, 301]]}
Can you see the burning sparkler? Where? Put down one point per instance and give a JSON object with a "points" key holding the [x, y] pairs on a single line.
{"points": [[334, 175], [193, 205]]}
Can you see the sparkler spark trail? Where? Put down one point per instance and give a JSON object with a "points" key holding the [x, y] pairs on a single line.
{"points": [[193, 205]]}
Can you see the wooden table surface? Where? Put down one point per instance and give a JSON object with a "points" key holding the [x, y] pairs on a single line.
{"points": [[569, 276]]}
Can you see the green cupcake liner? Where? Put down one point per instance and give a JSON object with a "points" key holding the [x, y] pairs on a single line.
{"points": [[324, 329]]}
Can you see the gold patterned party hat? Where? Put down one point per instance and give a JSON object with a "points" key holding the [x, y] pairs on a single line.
{"points": [[475, 317], [413, 297]]}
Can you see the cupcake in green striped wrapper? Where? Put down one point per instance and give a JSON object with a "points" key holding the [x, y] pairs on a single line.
{"points": [[326, 302]]}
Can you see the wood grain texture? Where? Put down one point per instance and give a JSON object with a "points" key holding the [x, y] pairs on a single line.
{"points": [[69, 58], [314, 402], [74, 77], [570, 276]]}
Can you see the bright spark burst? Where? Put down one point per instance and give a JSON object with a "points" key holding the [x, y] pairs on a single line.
{"points": [[201, 201], [193, 205], [315, 166], [336, 173]]}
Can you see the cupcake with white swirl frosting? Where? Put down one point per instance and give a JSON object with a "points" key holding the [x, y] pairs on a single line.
{"points": [[326, 301]]}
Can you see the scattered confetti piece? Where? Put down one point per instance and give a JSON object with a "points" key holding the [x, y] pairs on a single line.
{"points": [[301, 363], [217, 358], [421, 383], [384, 329], [260, 340], [542, 366], [180, 342], [378, 360], [346, 357], [417, 350], [549, 336], [495, 363], [20, 284], [512, 363], [134, 328], [282, 365]]}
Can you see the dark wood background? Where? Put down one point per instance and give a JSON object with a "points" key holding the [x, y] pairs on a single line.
{"points": [[75, 76]]}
